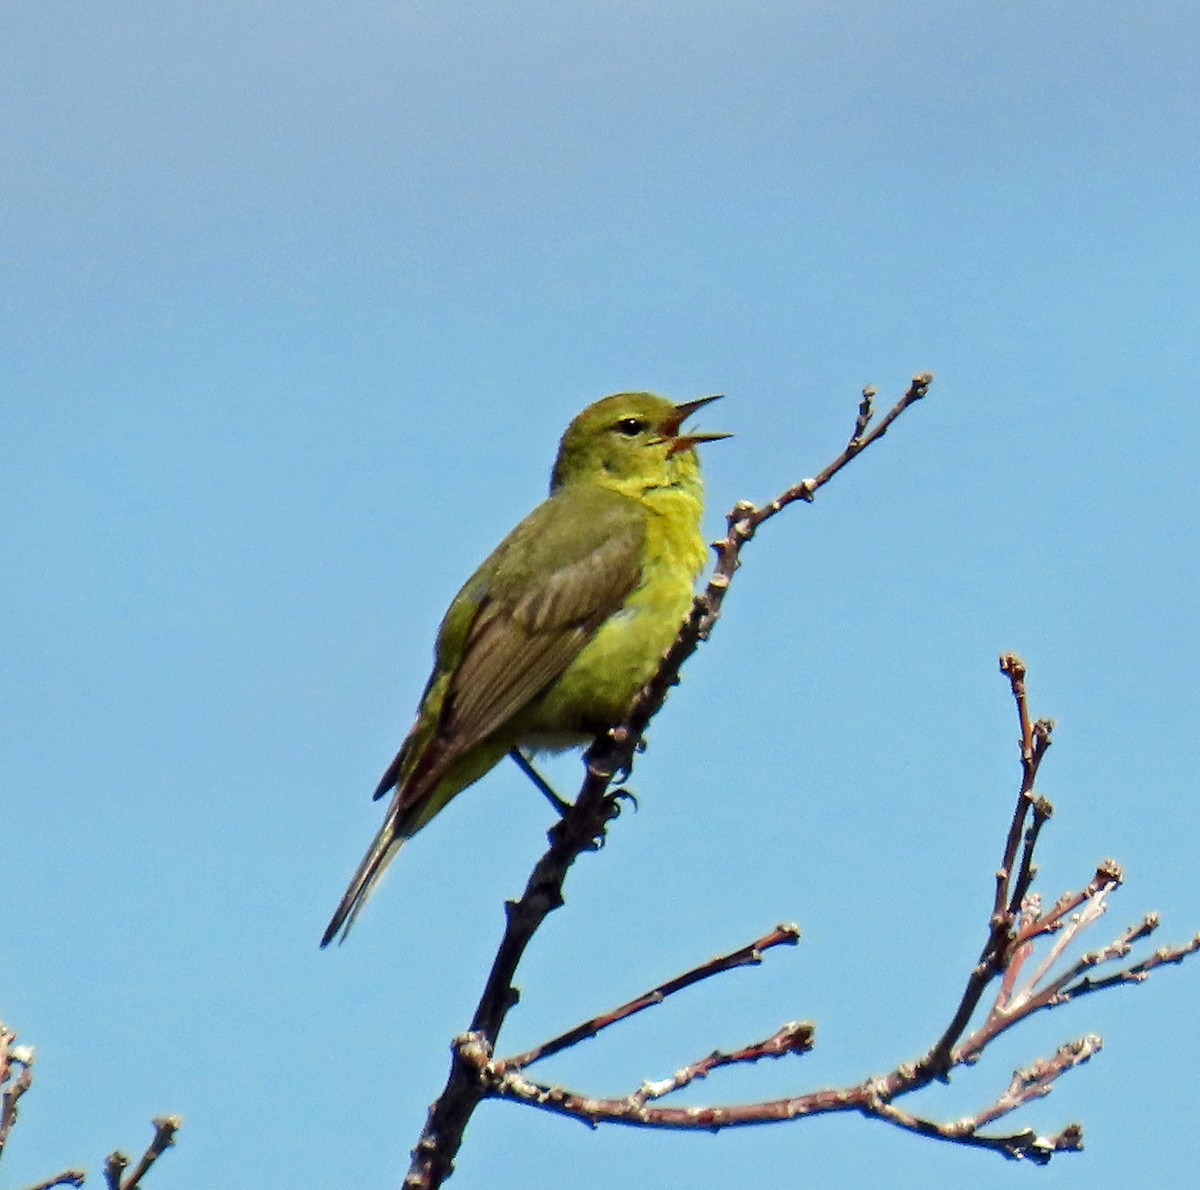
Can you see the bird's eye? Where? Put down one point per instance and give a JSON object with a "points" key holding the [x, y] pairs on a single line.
{"points": [[631, 426]]}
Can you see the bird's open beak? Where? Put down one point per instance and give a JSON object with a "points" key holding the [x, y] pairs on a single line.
{"points": [[670, 428]]}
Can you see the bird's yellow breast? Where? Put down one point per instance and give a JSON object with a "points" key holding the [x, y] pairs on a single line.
{"points": [[596, 689]]}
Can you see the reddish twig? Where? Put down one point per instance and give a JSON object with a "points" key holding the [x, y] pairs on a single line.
{"points": [[872, 1098], [1008, 951], [68, 1177], [796, 1037], [1035, 739], [1136, 972], [1034, 1082], [781, 935], [16, 1077], [117, 1162]]}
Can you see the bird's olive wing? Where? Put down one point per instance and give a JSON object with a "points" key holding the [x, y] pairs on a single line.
{"points": [[543, 593]]}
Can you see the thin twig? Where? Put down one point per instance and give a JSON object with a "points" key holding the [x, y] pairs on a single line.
{"points": [[1033, 744], [796, 1037], [1137, 972], [115, 1165], [1034, 1082], [16, 1077], [781, 935], [871, 1098], [68, 1177], [1041, 811], [165, 1128]]}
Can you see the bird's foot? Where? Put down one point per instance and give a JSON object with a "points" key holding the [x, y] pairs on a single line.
{"points": [[612, 811]]}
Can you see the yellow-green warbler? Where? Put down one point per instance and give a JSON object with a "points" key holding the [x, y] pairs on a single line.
{"points": [[550, 639]]}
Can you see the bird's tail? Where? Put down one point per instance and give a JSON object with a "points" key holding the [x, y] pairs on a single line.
{"points": [[382, 851]]}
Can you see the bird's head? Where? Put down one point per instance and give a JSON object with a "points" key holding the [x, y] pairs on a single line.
{"points": [[631, 441]]}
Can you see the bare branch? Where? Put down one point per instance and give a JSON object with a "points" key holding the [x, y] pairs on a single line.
{"points": [[1016, 924], [68, 1177], [1009, 950], [1137, 972], [872, 1098], [165, 1128], [115, 1165], [781, 935], [796, 1037], [16, 1077], [1034, 740]]}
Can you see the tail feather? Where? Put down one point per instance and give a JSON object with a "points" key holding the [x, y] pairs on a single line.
{"points": [[391, 775], [421, 794], [382, 851]]}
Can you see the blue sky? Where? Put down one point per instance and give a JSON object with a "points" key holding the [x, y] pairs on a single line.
{"points": [[296, 302]]}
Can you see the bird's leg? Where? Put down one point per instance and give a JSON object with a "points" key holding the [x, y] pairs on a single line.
{"points": [[523, 763]]}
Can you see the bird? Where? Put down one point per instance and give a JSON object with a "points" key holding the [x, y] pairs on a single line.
{"points": [[548, 642]]}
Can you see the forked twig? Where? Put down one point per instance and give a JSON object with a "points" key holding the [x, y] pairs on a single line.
{"points": [[781, 935], [16, 1077], [1008, 951], [68, 1177], [117, 1162]]}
